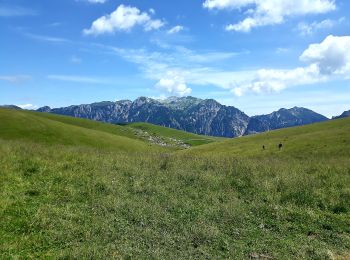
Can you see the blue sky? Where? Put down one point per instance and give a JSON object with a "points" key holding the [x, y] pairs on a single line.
{"points": [[257, 55]]}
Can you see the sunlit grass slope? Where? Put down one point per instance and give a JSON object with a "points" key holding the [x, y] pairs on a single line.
{"points": [[127, 129], [52, 129], [226, 200], [89, 124], [57, 129], [331, 138]]}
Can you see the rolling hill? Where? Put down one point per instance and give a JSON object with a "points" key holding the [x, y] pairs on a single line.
{"points": [[74, 188], [57, 129], [331, 138], [51, 129]]}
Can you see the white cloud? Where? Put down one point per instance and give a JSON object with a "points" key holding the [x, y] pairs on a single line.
{"points": [[224, 4], [270, 80], [269, 12], [153, 25], [97, 1], [175, 29], [281, 50], [177, 56], [177, 69], [311, 28], [28, 106], [47, 38], [174, 83], [16, 78], [327, 60], [332, 56], [124, 18]]}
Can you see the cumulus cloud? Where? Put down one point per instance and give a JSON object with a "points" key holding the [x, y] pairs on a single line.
{"points": [[331, 56], [269, 12], [270, 80], [174, 83], [124, 18], [326, 60], [175, 29]]}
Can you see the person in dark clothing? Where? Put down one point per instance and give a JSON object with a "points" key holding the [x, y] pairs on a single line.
{"points": [[280, 146], [263, 147]]}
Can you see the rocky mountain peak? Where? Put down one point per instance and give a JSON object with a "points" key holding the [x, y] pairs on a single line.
{"points": [[191, 114], [143, 100], [45, 109], [181, 103]]}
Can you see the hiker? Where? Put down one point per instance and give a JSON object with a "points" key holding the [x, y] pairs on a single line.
{"points": [[280, 146], [263, 147]]}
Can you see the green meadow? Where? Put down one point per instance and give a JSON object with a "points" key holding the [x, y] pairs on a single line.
{"points": [[78, 189], [187, 138]]}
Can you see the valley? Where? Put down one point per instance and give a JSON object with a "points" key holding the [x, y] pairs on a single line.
{"points": [[75, 188]]}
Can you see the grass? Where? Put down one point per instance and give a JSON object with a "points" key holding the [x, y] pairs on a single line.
{"points": [[222, 200], [188, 138], [46, 129], [54, 129], [51, 128], [327, 139]]}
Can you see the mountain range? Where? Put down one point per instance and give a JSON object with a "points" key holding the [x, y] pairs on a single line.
{"points": [[200, 116]]}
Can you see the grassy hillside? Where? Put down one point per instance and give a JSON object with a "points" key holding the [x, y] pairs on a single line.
{"points": [[51, 129], [225, 200], [89, 124], [331, 138], [188, 138]]}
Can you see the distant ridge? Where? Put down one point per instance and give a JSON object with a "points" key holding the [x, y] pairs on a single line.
{"points": [[199, 116], [283, 118], [343, 115], [11, 107]]}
